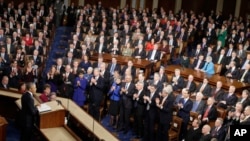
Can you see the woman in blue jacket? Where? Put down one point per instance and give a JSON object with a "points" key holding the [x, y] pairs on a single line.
{"points": [[114, 94]]}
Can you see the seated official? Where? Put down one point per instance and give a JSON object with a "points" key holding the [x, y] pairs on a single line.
{"points": [[205, 88], [209, 66], [198, 63], [229, 99], [154, 55], [190, 84], [218, 131], [177, 80], [232, 71], [244, 75], [209, 113]]}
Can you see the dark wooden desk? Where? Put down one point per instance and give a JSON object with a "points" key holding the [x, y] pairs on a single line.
{"points": [[198, 76], [123, 60]]}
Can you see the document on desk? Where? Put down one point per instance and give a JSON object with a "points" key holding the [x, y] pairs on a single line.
{"points": [[44, 108]]}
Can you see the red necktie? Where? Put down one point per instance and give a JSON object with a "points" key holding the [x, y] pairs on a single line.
{"points": [[206, 112]]}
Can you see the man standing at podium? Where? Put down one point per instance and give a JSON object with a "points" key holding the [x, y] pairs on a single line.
{"points": [[28, 112]]}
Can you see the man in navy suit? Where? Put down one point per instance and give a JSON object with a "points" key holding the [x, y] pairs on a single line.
{"points": [[96, 86], [154, 55], [229, 98], [185, 106], [127, 91], [218, 131], [198, 62], [28, 112], [165, 104], [113, 66]]}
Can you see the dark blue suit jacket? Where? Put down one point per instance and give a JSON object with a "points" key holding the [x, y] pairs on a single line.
{"points": [[184, 112]]}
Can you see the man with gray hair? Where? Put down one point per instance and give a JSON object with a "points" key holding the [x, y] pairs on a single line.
{"points": [[165, 104]]}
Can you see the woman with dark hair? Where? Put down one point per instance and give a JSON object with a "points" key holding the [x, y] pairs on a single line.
{"points": [[80, 85]]}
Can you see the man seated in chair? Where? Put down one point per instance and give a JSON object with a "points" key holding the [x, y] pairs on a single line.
{"points": [[154, 55], [194, 132], [209, 113], [229, 99], [198, 104]]}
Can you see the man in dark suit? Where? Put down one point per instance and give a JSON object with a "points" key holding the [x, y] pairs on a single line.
{"points": [[101, 47], [209, 113], [5, 83], [190, 84], [113, 66], [229, 99], [172, 42], [127, 91], [68, 79], [139, 108], [194, 132], [205, 88], [96, 86], [233, 71], [10, 48], [246, 120], [28, 112], [37, 47], [197, 51], [139, 52], [220, 58], [36, 58], [154, 55], [68, 60], [5, 57], [217, 92], [165, 104], [244, 75], [177, 80], [185, 105], [151, 113], [130, 66], [198, 63], [206, 135], [218, 131]]}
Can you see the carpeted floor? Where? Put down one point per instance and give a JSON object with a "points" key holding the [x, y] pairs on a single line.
{"points": [[120, 135]]}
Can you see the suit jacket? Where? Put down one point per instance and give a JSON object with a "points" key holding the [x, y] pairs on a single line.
{"points": [[217, 57], [245, 122], [191, 88], [96, 91], [212, 113], [206, 91], [196, 62], [66, 61], [37, 61], [236, 59], [166, 112], [243, 54], [207, 137], [12, 49], [156, 56], [117, 68], [40, 50], [231, 100], [28, 111], [6, 58], [127, 97], [234, 72], [104, 48], [133, 71], [219, 134], [209, 68], [196, 53], [246, 78], [179, 85], [139, 104], [184, 112], [245, 102], [137, 53], [193, 135], [218, 95]]}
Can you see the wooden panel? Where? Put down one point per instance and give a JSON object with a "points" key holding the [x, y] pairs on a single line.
{"points": [[3, 126], [245, 8], [149, 4], [52, 119], [228, 7], [167, 5]]}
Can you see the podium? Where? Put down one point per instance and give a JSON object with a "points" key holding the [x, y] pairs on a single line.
{"points": [[54, 117], [51, 123], [3, 125]]}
